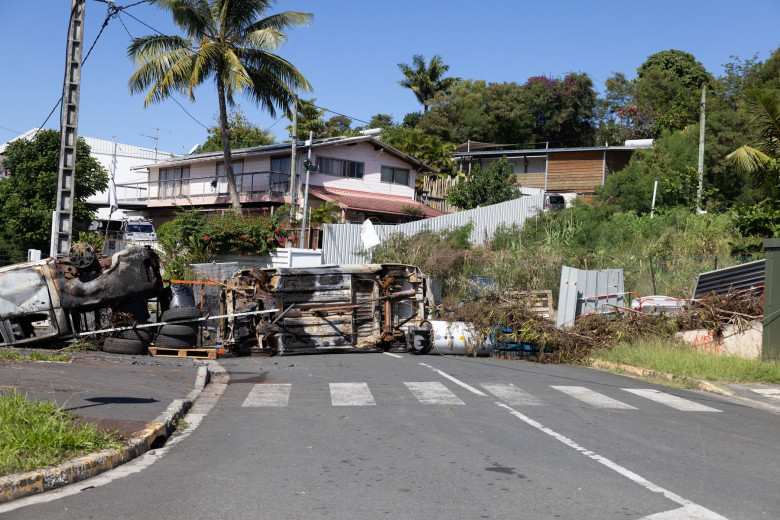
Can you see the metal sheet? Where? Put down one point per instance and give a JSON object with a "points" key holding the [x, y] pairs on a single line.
{"points": [[588, 292], [730, 279], [341, 243]]}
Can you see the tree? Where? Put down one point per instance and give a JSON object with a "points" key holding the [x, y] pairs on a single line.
{"points": [[338, 125], [560, 111], [762, 159], [309, 119], [28, 195], [430, 149], [485, 187], [668, 85], [241, 132], [426, 80], [228, 41]]}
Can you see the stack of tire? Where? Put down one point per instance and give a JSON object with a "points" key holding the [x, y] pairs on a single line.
{"points": [[134, 341], [180, 329]]}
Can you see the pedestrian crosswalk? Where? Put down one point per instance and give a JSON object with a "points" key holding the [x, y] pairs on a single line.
{"points": [[437, 393]]}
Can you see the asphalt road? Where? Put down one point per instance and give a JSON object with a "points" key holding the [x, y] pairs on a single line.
{"points": [[366, 436]]}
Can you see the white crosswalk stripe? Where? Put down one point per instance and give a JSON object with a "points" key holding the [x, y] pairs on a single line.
{"points": [[433, 393], [512, 395], [670, 400], [351, 394], [268, 395], [593, 398]]}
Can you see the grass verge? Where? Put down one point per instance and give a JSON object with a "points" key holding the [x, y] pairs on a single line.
{"points": [[38, 434], [682, 360], [14, 355]]}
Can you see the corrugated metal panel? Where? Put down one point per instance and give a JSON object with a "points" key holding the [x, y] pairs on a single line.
{"points": [[588, 292], [341, 243], [730, 279]]}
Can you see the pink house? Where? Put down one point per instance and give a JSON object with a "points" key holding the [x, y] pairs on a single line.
{"points": [[365, 177]]}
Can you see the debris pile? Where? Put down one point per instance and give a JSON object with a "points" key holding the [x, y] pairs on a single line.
{"points": [[495, 313]]}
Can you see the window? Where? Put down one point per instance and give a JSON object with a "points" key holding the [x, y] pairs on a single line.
{"points": [[238, 173], [174, 182], [395, 175], [280, 164], [340, 167]]}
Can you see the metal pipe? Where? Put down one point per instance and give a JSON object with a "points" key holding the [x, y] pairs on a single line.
{"points": [[158, 324]]}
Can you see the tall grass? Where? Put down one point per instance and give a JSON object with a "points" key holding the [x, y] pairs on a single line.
{"points": [[662, 255], [673, 357], [38, 434]]}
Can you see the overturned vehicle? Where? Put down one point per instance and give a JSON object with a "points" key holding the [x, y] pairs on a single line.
{"points": [[372, 307], [50, 299]]}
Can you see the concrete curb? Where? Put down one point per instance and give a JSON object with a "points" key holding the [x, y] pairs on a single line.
{"points": [[698, 384], [21, 485]]}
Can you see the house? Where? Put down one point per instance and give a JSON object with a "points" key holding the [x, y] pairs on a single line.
{"points": [[575, 171], [120, 161], [364, 177]]}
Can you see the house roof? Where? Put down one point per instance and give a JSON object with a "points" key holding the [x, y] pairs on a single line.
{"points": [[285, 147], [371, 202], [629, 147]]}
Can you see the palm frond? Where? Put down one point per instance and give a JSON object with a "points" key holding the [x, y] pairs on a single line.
{"points": [[749, 159], [282, 21]]}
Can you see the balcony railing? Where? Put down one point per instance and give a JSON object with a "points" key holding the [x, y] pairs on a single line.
{"points": [[251, 183]]}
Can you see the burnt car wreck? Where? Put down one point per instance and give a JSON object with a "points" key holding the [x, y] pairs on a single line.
{"points": [[50, 299], [367, 307]]}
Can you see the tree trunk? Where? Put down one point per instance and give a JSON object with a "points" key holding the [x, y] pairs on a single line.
{"points": [[231, 180]]}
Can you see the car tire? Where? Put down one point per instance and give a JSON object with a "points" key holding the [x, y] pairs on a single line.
{"points": [[179, 330], [175, 341], [124, 346], [184, 313]]}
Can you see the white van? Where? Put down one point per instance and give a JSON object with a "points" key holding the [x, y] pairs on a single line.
{"points": [[138, 229]]}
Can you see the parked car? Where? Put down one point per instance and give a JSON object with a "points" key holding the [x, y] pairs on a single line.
{"points": [[554, 202]]}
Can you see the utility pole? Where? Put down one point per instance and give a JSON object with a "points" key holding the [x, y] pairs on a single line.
{"points": [[62, 220], [701, 148], [308, 166], [293, 190]]}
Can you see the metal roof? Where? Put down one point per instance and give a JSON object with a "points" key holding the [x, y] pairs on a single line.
{"points": [[544, 151], [275, 148]]}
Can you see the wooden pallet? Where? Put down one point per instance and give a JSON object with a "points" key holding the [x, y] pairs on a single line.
{"points": [[195, 353]]}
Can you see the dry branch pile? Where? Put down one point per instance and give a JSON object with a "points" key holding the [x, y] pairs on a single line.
{"points": [[575, 344]]}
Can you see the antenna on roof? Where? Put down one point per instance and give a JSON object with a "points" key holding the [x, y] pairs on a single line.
{"points": [[156, 138]]}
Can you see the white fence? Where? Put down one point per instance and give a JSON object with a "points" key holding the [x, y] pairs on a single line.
{"points": [[341, 243]]}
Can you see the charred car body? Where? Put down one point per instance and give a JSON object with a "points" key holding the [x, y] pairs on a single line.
{"points": [[50, 299], [324, 309]]}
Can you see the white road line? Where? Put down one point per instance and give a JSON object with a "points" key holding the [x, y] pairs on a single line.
{"points": [[688, 506], [511, 394], [268, 395], [670, 400], [593, 398], [351, 394], [433, 393], [390, 354], [456, 381]]}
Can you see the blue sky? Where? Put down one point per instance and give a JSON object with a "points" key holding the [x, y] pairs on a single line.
{"points": [[350, 54]]}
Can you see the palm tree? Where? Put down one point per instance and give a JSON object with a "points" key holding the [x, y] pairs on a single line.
{"points": [[426, 80], [763, 159], [226, 40]]}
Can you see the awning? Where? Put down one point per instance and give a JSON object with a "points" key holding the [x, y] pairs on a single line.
{"points": [[372, 202]]}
